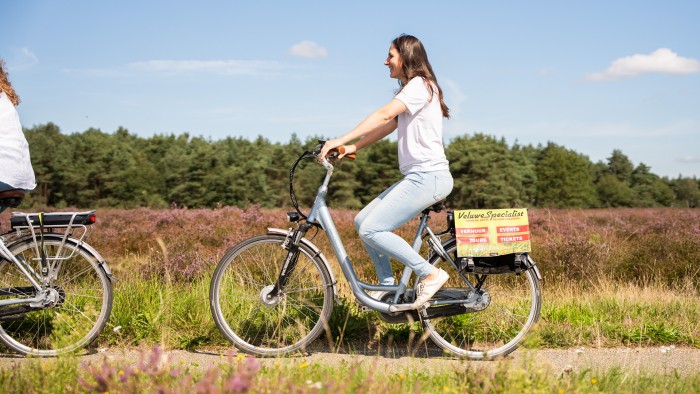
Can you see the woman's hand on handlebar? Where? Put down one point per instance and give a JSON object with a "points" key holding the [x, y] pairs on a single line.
{"points": [[343, 150]]}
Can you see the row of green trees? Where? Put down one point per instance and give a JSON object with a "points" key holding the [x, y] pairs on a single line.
{"points": [[97, 169]]}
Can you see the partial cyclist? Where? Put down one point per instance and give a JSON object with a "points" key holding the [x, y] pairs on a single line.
{"points": [[55, 289], [16, 173], [416, 112]]}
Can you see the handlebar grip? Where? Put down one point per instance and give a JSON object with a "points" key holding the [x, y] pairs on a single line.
{"points": [[351, 156]]}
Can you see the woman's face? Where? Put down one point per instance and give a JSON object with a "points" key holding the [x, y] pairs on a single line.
{"points": [[393, 61]]}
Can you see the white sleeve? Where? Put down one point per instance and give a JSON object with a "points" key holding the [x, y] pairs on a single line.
{"points": [[415, 95]]}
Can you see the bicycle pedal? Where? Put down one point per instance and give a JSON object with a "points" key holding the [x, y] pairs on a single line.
{"points": [[423, 310]]}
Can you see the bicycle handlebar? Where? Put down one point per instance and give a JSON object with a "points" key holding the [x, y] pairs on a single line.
{"points": [[341, 150], [326, 161], [333, 153]]}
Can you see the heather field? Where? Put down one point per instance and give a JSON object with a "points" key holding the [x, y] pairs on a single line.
{"points": [[612, 277]]}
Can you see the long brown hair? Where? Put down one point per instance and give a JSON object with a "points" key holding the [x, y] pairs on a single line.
{"points": [[6, 86], [415, 63]]}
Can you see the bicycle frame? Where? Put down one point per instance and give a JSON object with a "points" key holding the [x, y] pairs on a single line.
{"points": [[5, 253], [320, 214]]}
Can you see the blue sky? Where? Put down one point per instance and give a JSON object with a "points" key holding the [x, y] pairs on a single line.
{"points": [[592, 76]]}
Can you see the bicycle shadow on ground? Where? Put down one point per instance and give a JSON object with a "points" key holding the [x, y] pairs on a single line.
{"points": [[386, 349]]}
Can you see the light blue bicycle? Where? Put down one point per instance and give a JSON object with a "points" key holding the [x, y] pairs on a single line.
{"points": [[273, 294]]}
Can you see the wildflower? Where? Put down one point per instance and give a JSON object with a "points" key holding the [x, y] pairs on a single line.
{"points": [[316, 385], [237, 384], [240, 357], [594, 381], [303, 365]]}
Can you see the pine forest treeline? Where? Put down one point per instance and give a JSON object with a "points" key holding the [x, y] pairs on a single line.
{"points": [[98, 169]]}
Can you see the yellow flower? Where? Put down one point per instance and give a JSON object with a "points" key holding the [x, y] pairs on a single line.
{"points": [[594, 381], [445, 389], [121, 372], [240, 357], [303, 365]]}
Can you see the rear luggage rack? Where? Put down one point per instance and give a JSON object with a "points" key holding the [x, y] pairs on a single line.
{"points": [[61, 224], [21, 220]]}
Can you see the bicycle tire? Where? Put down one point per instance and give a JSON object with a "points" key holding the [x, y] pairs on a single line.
{"points": [[282, 326], [496, 331], [84, 305]]}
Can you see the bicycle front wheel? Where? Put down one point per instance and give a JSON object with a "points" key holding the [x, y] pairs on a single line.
{"points": [[515, 302], [82, 304], [270, 327]]}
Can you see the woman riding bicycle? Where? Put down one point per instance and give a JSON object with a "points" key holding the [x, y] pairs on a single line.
{"points": [[416, 112], [15, 165]]}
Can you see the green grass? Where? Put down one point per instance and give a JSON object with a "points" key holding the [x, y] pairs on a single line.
{"points": [[607, 314]]}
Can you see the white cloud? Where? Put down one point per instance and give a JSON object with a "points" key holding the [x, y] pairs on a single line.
{"points": [[662, 60], [21, 59], [308, 49], [689, 159], [545, 72], [216, 67], [453, 97]]}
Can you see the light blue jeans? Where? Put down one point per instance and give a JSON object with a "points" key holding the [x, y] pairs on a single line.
{"points": [[4, 186], [394, 207]]}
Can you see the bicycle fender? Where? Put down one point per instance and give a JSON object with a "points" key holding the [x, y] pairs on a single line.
{"points": [[317, 252], [534, 267], [100, 261]]}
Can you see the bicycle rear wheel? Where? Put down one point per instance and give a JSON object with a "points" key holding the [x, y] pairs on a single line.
{"points": [[515, 302], [284, 324], [82, 308]]}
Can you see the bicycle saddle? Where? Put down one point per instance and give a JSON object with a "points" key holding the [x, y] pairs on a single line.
{"points": [[437, 207], [11, 198]]}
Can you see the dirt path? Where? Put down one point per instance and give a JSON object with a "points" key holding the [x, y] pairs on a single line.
{"points": [[661, 360]]}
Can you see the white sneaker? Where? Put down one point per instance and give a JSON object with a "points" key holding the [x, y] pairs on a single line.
{"points": [[426, 289]]}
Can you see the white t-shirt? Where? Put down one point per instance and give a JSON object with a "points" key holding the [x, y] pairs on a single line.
{"points": [[420, 129], [15, 165]]}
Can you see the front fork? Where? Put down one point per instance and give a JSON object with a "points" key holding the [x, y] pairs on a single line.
{"points": [[292, 245]]}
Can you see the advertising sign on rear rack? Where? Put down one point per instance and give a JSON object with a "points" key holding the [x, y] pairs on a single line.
{"points": [[491, 232]]}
